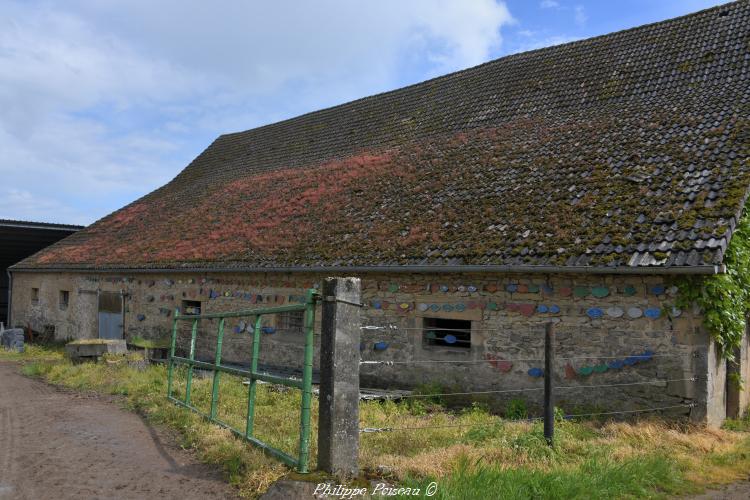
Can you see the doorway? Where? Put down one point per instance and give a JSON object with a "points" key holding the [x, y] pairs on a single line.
{"points": [[110, 315]]}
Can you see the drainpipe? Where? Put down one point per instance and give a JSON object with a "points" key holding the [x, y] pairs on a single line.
{"points": [[10, 297], [650, 270], [122, 313]]}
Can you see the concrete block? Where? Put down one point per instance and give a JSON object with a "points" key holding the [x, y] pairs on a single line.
{"points": [[94, 348]]}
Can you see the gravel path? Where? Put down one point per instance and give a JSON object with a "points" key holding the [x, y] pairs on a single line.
{"points": [[57, 445], [735, 491]]}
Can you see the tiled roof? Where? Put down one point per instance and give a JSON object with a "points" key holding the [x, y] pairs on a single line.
{"points": [[625, 150]]}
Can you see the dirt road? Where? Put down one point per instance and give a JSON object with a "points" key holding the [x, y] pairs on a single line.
{"points": [[736, 491], [59, 445]]}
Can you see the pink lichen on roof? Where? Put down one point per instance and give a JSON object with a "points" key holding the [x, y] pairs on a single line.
{"points": [[262, 213]]}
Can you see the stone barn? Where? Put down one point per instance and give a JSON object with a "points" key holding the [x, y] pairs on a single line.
{"points": [[590, 183]]}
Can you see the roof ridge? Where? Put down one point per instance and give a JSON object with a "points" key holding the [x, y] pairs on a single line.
{"points": [[454, 74]]}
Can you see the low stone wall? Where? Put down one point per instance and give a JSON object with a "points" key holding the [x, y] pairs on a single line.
{"points": [[601, 321]]}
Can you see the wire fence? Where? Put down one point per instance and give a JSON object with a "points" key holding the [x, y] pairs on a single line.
{"points": [[373, 430], [389, 328], [535, 389], [385, 330]]}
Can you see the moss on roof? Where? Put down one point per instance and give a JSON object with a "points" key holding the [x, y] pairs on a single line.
{"points": [[629, 149]]}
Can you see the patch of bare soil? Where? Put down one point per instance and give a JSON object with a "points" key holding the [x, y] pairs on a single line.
{"points": [[58, 445]]}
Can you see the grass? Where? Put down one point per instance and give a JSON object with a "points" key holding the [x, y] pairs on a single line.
{"points": [[149, 343], [94, 341], [595, 477], [475, 454]]}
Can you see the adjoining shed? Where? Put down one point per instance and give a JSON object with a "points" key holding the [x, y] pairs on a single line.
{"points": [[599, 183], [21, 239]]}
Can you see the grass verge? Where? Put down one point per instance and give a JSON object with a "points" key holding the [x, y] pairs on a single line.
{"points": [[648, 458]]}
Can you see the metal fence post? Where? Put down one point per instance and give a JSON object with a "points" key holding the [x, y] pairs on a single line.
{"points": [[172, 345], [253, 382], [189, 383], [338, 425], [549, 397], [307, 371], [217, 374]]}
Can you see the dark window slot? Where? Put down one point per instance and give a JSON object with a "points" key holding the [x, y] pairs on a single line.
{"points": [[192, 307], [452, 333]]}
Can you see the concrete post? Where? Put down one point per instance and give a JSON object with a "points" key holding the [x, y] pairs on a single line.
{"points": [[338, 426]]}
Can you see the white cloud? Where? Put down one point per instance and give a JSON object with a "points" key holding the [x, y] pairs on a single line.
{"points": [[35, 208], [580, 15], [104, 101], [54, 61], [545, 42], [549, 4]]}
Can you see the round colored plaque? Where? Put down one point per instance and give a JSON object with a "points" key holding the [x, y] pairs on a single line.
{"points": [[635, 312], [594, 313], [600, 291], [615, 312], [653, 312]]}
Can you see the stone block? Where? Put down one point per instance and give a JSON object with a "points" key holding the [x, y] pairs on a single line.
{"points": [[12, 339], [94, 348]]}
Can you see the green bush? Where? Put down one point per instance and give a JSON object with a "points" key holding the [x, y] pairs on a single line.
{"points": [[516, 409], [479, 435]]}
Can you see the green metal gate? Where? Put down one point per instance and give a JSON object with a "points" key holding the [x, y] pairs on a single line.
{"points": [[305, 385]]}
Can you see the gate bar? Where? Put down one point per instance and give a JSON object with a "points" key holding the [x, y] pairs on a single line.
{"points": [[253, 380], [304, 440], [193, 338], [265, 377], [217, 373], [301, 462], [170, 367], [246, 312], [285, 458]]}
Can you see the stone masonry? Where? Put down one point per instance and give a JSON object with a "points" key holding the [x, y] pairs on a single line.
{"points": [[602, 321]]}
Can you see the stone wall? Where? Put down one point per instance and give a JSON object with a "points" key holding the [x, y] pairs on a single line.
{"points": [[743, 358], [601, 321], [77, 320], [738, 396]]}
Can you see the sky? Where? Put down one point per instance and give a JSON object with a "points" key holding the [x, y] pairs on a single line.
{"points": [[103, 101]]}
